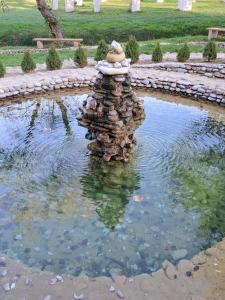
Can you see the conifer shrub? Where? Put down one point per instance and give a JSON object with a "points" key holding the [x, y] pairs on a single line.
{"points": [[102, 51], [53, 60], [183, 54], [2, 70], [210, 52], [28, 64], [80, 57], [132, 49], [157, 55]]}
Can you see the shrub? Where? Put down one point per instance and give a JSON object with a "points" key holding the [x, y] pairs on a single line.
{"points": [[53, 60], [183, 54], [102, 50], [157, 55], [2, 70], [80, 57], [28, 63], [210, 52], [132, 49]]}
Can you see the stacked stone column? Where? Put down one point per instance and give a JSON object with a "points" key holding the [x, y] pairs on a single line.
{"points": [[113, 111]]}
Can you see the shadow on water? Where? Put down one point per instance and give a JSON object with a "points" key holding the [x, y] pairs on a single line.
{"points": [[109, 186]]}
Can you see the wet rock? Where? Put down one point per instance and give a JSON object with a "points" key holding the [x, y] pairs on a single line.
{"points": [[179, 254]]}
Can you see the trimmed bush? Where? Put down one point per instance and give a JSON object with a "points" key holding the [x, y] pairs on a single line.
{"points": [[210, 52], [132, 49], [183, 54], [80, 57], [53, 60], [102, 51], [157, 55], [2, 70], [28, 63]]}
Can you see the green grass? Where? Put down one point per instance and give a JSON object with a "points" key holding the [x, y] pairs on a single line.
{"points": [[22, 21], [145, 47]]}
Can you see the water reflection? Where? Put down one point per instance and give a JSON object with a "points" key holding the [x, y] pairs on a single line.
{"points": [[199, 182], [110, 185], [63, 212]]}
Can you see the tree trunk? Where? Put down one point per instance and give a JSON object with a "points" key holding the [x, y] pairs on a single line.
{"points": [[50, 19]]}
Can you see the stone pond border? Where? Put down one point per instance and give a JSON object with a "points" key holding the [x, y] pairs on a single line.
{"points": [[200, 278], [181, 87], [211, 70], [190, 279]]}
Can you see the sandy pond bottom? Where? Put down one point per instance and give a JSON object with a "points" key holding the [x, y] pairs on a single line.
{"points": [[64, 212]]}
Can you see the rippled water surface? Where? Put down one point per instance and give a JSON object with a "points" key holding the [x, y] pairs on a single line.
{"points": [[62, 211]]}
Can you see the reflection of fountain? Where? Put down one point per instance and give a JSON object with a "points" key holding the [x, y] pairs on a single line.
{"points": [[110, 185], [113, 111]]}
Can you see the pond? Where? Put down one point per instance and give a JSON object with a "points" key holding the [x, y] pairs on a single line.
{"points": [[63, 211]]}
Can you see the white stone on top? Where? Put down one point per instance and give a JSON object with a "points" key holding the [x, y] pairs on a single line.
{"points": [[118, 68]]}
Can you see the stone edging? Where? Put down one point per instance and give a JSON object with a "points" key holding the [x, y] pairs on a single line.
{"points": [[204, 69], [169, 85], [202, 277]]}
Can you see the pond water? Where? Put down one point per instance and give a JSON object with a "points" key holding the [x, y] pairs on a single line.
{"points": [[62, 211]]}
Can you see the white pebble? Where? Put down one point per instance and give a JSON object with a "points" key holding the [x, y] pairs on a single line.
{"points": [[112, 289], [78, 297], [48, 297], [59, 278], [13, 285]]}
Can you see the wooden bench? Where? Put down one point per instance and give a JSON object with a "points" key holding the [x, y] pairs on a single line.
{"points": [[213, 32], [40, 41]]}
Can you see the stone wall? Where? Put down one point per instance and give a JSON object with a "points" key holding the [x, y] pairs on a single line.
{"points": [[173, 86], [205, 69]]}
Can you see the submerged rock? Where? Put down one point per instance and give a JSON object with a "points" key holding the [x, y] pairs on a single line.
{"points": [[179, 254]]}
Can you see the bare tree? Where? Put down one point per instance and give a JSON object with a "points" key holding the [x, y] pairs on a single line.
{"points": [[50, 19]]}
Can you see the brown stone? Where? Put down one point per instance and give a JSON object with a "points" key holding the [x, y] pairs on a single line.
{"points": [[109, 114]]}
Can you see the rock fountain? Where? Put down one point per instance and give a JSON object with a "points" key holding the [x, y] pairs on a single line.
{"points": [[113, 111]]}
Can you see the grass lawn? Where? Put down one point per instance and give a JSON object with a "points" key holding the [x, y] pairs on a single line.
{"points": [[145, 47], [22, 21]]}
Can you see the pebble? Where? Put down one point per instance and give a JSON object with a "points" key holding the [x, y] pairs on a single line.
{"points": [[120, 294], [48, 297], [112, 289], [78, 297], [18, 237], [178, 254], [7, 286]]}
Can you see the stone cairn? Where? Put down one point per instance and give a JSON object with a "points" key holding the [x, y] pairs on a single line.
{"points": [[113, 111]]}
